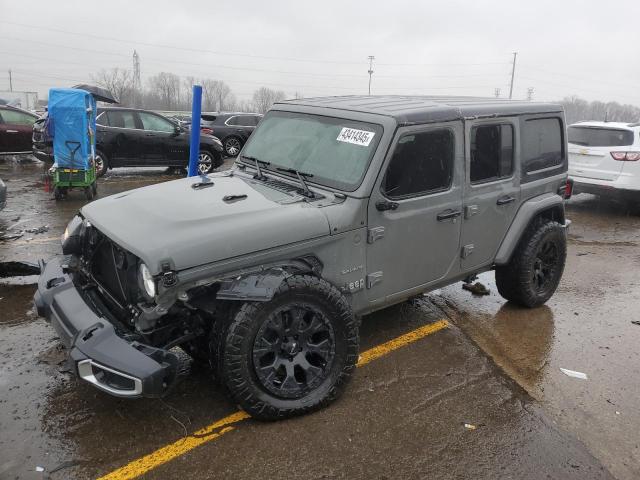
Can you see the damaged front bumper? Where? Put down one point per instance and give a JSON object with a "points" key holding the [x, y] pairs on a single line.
{"points": [[100, 356]]}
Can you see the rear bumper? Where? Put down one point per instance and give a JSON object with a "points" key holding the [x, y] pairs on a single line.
{"points": [[619, 187], [97, 353]]}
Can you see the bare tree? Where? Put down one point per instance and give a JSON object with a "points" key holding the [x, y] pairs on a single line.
{"points": [[165, 87], [264, 97], [577, 109], [217, 95], [118, 81]]}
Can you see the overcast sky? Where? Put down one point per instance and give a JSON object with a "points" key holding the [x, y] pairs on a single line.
{"points": [[588, 48]]}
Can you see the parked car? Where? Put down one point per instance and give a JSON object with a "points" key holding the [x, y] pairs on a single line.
{"points": [[337, 207], [137, 138], [604, 158], [3, 195], [233, 129], [15, 130]]}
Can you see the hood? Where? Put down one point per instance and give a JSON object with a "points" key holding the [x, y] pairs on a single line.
{"points": [[186, 227]]}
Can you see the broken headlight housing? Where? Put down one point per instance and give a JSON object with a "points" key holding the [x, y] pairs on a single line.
{"points": [[147, 281], [71, 238]]}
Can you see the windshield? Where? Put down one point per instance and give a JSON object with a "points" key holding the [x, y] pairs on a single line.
{"points": [[600, 137], [334, 150]]}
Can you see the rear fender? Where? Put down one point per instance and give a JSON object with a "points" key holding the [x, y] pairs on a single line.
{"points": [[548, 205]]}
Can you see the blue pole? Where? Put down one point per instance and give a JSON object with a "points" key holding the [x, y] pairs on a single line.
{"points": [[194, 147]]}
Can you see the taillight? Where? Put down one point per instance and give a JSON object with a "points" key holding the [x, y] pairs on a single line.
{"points": [[566, 190], [206, 131], [626, 156]]}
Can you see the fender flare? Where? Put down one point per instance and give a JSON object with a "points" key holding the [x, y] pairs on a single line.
{"points": [[261, 284], [528, 210]]}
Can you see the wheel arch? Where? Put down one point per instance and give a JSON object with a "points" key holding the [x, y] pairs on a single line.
{"points": [[259, 284], [549, 206]]}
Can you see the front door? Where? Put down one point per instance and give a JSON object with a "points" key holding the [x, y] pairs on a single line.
{"points": [[492, 190], [414, 212], [159, 141], [16, 128]]}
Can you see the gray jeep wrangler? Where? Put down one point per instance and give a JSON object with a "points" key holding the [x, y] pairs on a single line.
{"points": [[335, 208]]}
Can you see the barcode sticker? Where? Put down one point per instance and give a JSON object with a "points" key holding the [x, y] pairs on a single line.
{"points": [[357, 137]]}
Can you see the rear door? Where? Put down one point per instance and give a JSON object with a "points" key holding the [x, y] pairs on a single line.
{"points": [[491, 190], [414, 212], [16, 130], [590, 150], [123, 138]]}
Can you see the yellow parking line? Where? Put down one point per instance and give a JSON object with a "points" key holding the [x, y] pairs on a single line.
{"points": [[178, 448]]}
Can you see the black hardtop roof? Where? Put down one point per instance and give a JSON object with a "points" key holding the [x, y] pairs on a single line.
{"points": [[424, 109]]}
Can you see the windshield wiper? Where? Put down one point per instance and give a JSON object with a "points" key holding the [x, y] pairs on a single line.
{"points": [[300, 175], [259, 175]]}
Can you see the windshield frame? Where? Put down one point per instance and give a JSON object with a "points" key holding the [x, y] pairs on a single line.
{"points": [[313, 181]]}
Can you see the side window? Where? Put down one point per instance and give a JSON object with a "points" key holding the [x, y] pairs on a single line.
{"points": [[155, 123], [121, 119], [422, 163], [232, 121], [102, 119], [17, 118], [491, 152], [247, 120], [542, 144]]}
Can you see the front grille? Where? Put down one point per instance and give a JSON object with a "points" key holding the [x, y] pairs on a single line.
{"points": [[113, 269]]}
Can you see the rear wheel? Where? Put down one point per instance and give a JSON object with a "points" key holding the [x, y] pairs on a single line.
{"points": [[58, 194], [205, 162], [232, 146], [289, 356], [536, 267], [102, 164]]}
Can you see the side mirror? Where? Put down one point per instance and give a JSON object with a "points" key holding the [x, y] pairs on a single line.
{"points": [[177, 130]]}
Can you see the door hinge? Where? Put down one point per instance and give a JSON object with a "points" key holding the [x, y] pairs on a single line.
{"points": [[470, 211], [467, 250], [374, 278], [375, 233]]}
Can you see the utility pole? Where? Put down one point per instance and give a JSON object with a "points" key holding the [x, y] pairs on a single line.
{"points": [[513, 73], [529, 94], [136, 78], [10, 82], [371, 59], [497, 92]]}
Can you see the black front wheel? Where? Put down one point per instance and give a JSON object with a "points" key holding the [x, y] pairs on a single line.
{"points": [[536, 267], [291, 355], [205, 162], [232, 146]]}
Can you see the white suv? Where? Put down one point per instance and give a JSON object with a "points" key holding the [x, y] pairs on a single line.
{"points": [[604, 158]]}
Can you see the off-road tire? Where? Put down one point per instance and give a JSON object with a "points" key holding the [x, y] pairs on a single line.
{"points": [[516, 281], [232, 348]]}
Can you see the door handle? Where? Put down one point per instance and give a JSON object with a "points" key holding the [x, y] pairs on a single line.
{"points": [[150, 134], [505, 200], [382, 206], [447, 214]]}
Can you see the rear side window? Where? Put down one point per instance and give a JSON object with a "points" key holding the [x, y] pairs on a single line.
{"points": [[422, 163], [599, 137], [542, 144], [491, 152], [121, 119]]}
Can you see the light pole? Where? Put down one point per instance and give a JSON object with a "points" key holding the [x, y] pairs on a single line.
{"points": [[371, 59]]}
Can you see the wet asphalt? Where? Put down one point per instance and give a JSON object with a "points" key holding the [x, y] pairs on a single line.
{"points": [[497, 367]]}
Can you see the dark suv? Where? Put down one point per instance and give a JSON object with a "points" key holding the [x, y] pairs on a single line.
{"points": [[232, 128], [137, 138]]}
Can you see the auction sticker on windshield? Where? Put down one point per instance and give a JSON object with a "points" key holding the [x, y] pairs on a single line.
{"points": [[357, 137]]}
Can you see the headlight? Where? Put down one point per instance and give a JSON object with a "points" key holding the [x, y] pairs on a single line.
{"points": [[71, 237], [147, 281]]}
